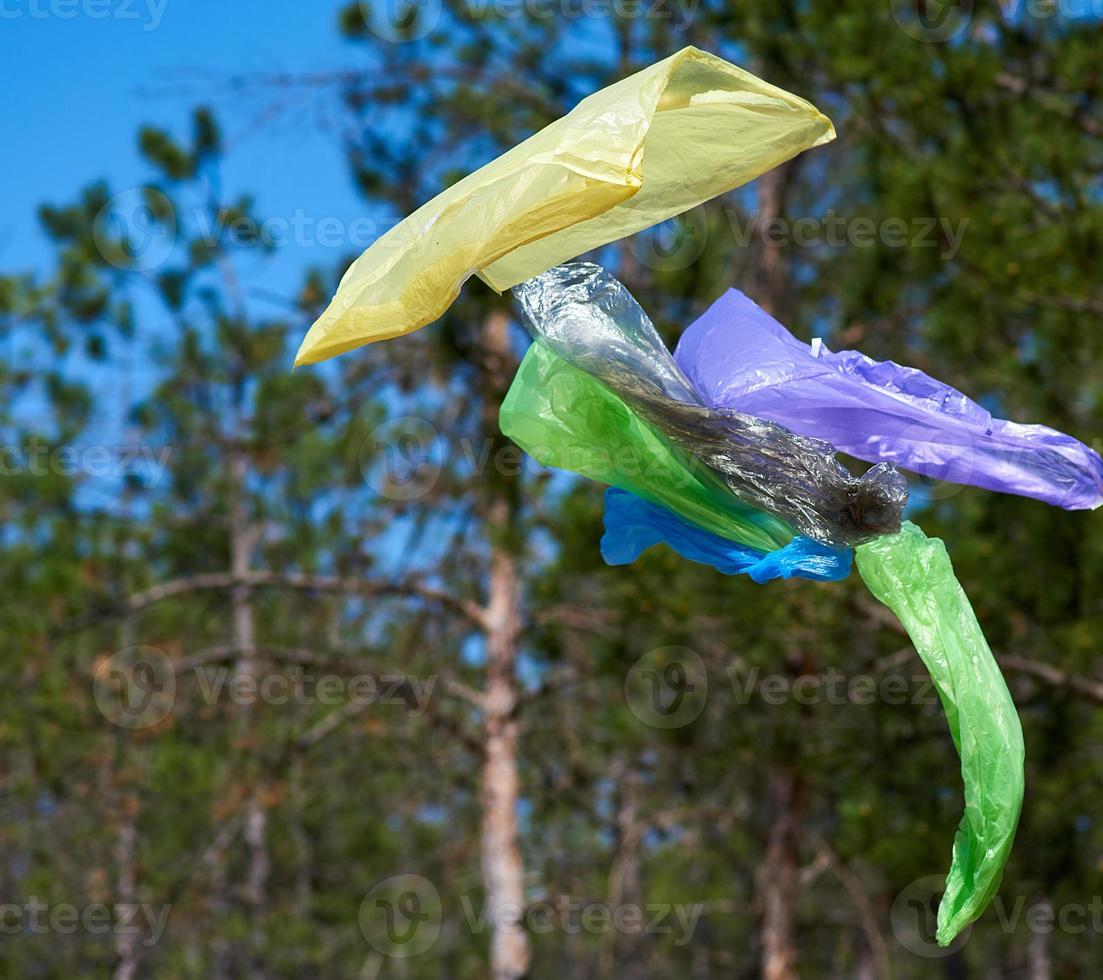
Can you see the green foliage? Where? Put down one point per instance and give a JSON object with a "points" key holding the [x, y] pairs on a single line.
{"points": [[993, 135]]}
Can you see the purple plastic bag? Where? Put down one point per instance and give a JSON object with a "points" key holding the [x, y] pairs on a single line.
{"points": [[738, 356]]}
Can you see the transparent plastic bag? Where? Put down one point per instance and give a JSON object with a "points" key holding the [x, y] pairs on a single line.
{"points": [[589, 319], [563, 417], [912, 575]]}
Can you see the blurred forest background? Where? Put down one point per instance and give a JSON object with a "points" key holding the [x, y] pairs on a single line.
{"points": [[310, 675]]}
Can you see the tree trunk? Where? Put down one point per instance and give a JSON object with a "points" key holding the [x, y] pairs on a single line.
{"points": [[244, 630], [771, 270], [779, 880], [503, 871], [779, 875], [304, 851], [502, 865], [218, 909], [126, 842], [1040, 966], [624, 874], [126, 942]]}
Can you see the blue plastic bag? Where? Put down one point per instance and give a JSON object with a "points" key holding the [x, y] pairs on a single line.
{"points": [[632, 525]]}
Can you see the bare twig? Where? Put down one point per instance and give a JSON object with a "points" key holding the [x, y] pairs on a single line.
{"points": [[295, 581], [1054, 676]]}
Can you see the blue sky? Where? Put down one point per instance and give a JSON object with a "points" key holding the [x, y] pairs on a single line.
{"points": [[82, 75]]}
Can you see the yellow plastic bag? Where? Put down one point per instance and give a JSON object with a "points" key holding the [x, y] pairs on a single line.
{"points": [[627, 157]]}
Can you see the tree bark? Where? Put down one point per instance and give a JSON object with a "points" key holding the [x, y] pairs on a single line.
{"points": [[503, 870], [1040, 966], [779, 880], [244, 632], [304, 851], [779, 874], [126, 942], [624, 873], [502, 864], [771, 271]]}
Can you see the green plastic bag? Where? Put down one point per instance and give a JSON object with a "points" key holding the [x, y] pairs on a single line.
{"points": [[563, 417], [912, 575]]}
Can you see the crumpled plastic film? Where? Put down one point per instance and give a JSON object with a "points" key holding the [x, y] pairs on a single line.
{"points": [[589, 319], [912, 575], [645, 149], [563, 417], [632, 525], [737, 356]]}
